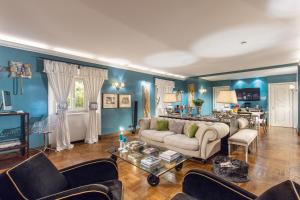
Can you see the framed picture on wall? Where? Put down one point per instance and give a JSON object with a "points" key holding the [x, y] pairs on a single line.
{"points": [[124, 101], [109, 100]]}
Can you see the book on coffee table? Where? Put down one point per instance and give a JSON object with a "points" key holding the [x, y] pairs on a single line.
{"points": [[169, 155], [135, 156], [150, 161], [150, 150]]}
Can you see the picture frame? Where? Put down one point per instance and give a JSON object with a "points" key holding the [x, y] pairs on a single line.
{"points": [[109, 100], [124, 100]]}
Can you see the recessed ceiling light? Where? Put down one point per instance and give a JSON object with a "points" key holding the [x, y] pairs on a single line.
{"points": [[243, 42], [215, 46]]}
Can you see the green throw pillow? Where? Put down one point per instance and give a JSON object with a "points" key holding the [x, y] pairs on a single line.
{"points": [[162, 125], [191, 132]]}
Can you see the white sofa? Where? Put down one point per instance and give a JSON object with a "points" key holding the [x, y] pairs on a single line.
{"points": [[206, 142]]}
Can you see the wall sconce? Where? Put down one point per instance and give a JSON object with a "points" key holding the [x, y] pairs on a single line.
{"points": [[118, 85], [202, 91]]}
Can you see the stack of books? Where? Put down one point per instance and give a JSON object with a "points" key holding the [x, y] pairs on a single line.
{"points": [[150, 162], [135, 156], [135, 145], [169, 155], [150, 150]]}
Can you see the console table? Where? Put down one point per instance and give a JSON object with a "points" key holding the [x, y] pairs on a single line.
{"points": [[206, 119], [24, 126]]}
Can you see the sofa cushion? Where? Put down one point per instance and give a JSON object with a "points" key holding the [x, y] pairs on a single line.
{"points": [[162, 125], [187, 126], [176, 126], [245, 136], [153, 123], [191, 130], [156, 135], [243, 123], [144, 124], [37, 177], [182, 141], [285, 190]]}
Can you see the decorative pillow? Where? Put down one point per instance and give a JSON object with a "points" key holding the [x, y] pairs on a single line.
{"points": [[37, 177], [162, 125], [191, 130], [145, 124], [153, 123], [176, 126], [243, 123], [186, 127]]}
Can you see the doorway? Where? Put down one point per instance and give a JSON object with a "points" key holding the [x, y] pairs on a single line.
{"points": [[283, 104]]}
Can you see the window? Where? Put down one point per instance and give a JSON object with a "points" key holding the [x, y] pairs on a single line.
{"points": [[76, 99]]}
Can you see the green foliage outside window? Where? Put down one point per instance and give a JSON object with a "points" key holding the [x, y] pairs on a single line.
{"points": [[79, 94], [76, 99]]}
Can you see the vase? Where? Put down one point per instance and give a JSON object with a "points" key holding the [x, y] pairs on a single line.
{"points": [[199, 109]]}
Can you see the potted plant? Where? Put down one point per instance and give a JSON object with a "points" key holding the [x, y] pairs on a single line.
{"points": [[198, 103]]}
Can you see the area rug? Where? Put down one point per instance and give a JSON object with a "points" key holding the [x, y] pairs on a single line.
{"points": [[231, 169]]}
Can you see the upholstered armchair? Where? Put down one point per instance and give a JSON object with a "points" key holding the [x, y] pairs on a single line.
{"points": [[37, 178], [201, 185]]}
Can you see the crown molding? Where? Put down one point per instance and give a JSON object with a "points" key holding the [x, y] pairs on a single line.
{"points": [[78, 58]]}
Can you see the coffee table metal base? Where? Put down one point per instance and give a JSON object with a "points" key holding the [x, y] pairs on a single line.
{"points": [[153, 180], [179, 167]]}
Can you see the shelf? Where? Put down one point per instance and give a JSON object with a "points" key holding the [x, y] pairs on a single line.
{"points": [[12, 113], [24, 125], [14, 147]]}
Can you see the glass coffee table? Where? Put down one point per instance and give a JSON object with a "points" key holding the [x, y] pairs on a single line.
{"points": [[134, 156]]}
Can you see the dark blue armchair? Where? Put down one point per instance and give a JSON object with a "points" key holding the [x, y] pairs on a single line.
{"points": [[37, 178]]}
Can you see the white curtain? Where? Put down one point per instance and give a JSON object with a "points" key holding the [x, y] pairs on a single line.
{"points": [[60, 78], [93, 81], [161, 87]]}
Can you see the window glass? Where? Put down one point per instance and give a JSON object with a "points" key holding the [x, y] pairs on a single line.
{"points": [[76, 99], [79, 94]]}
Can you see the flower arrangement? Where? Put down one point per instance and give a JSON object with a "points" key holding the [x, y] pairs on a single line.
{"points": [[198, 102]]}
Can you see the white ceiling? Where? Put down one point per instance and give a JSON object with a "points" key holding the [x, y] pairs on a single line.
{"points": [[188, 38], [253, 74]]}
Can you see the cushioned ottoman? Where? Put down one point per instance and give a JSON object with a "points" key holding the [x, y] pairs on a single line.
{"points": [[244, 138]]}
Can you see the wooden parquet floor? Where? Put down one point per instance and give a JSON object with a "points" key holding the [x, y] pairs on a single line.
{"points": [[277, 159]]}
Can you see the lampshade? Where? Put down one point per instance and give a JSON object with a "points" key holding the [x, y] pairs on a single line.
{"points": [[227, 97], [170, 98]]}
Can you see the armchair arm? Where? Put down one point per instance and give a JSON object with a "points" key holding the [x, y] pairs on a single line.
{"points": [[212, 131], [91, 172], [95, 191], [203, 185], [205, 135]]}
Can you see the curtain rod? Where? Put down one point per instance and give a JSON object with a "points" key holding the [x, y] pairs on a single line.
{"points": [[57, 60]]}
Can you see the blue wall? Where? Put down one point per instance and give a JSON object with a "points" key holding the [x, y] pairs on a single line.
{"points": [[261, 83], [207, 97], [35, 97]]}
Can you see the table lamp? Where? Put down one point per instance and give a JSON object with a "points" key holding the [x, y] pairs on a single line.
{"points": [[169, 98], [227, 97]]}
